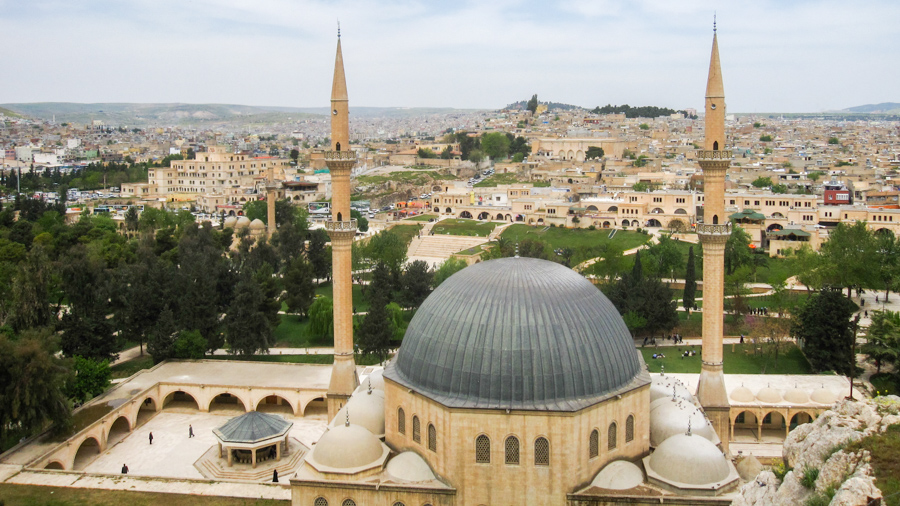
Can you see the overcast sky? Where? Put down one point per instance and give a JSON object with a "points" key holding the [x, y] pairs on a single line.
{"points": [[777, 55]]}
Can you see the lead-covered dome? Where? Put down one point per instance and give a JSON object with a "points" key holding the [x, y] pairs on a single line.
{"points": [[517, 333]]}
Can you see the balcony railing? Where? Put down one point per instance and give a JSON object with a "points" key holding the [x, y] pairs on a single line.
{"points": [[340, 226], [709, 154], [710, 229], [340, 155]]}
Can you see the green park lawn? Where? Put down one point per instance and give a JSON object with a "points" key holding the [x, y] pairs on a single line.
{"points": [[28, 495], [464, 227], [126, 369], [406, 230], [558, 237], [508, 178], [421, 217], [739, 359]]}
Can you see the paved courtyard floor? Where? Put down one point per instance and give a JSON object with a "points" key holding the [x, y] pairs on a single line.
{"points": [[173, 453]]}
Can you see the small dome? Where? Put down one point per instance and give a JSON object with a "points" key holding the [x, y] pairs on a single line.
{"points": [[409, 467], [257, 224], [366, 410], [769, 396], [229, 222], [663, 386], [796, 396], [347, 447], [619, 475], [689, 459], [242, 222], [377, 381], [823, 396], [748, 467], [742, 394], [673, 418]]}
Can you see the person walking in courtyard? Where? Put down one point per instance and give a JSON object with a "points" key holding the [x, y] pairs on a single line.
{"points": [[190, 431], [151, 438], [275, 476], [124, 469]]}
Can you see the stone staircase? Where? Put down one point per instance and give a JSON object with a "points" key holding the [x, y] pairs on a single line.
{"points": [[214, 467], [441, 246]]}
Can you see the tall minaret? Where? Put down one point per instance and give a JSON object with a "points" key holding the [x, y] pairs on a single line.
{"points": [[341, 228], [271, 186], [714, 232]]}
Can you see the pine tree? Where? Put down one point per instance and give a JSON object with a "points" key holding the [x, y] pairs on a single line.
{"points": [[248, 329], [416, 284], [375, 331], [690, 281], [533, 104], [299, 290]]}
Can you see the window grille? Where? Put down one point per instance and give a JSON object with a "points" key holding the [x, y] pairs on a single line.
{"points": [[541, 452], [320, 501], [417, 436], [348, 502], [483, 450], [398, 503], [512, 450], [432, 438], [629, 429], [401, 421], [595, 443], [612, 436]]}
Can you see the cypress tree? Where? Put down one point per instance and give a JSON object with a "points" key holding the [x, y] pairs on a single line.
{"points": [[690, 281]]}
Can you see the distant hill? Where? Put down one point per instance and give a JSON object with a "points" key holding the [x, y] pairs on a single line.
{"points": [[882, 108], [119, 114], [11, 114], [523, 104]]}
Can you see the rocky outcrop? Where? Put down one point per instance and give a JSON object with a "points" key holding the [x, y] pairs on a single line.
{"points": [[818, 448]]}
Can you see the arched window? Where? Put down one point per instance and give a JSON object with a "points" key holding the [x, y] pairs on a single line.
{"points": [[541, 451], [594, 444], [348, 502], [398, 503], [417, 436], [337, 146], [432, 438], [611, 436], [401, 421], [715, 219], [483, 449], [320, 501], [340, 217], [629, 429], [512, 450], [715, 145]]}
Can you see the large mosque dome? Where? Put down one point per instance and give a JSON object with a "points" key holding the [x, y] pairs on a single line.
{"points": [[516, 333]]}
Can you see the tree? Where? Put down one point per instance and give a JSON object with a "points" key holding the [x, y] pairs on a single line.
{"points": [[765, 138], [883, 339], [476, 156], [825, 331], [189, 344], [91, 379], [634, 322], [886, 251], [690, 282], [426, 153], [321, 320], [317, 254], [361, 222], [389, 248], [644, 126], [532, 104], [248, 329], [381, 285], [762, 182], [86, 330], [495, 145], [594, 152], [30, 294], [32, 382], [848, 257], [141, 293], [833, 140], [299, 290], [131, 219], [447, 153], [737, 250], [647, 297], [814, 175], [295, 154], [416, 284], [640, 187], [664, 257], [450, 267], [161, 339], [376, 331], [779, 188]]}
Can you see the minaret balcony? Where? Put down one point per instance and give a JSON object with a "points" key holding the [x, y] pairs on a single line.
{"points": [[710, 229], [340, 155], [340, 226], [710, 154]]}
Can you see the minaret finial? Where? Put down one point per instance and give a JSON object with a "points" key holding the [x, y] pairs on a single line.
{"points": [[370, 385], [347, 423], [689, 427], [714, 24], [339, 28]]}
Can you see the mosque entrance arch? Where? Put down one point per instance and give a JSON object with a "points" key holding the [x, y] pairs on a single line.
{"points": [[117, 431], [275, 404], [799, 419], [180, 399], [466, 215], [226, 401], [654, 223], [87, 452], [146, 411], [484, 215]]}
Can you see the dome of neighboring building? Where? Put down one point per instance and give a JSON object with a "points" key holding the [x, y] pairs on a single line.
{"points": [[229, 222], [366, 410], [409, 467], [823, 396], [619, 475], [257, 224], [742, 394], [376, 378], [769, 396], [242, 222], [748, 467], [691, 460], [796, 396], [517, 333], [673, 418], [347, 447]]}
